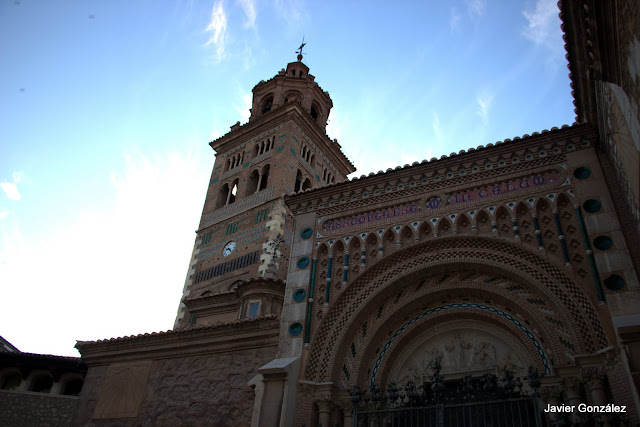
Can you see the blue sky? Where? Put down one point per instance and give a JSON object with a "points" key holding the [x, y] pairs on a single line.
{"points": [[107, 108]]}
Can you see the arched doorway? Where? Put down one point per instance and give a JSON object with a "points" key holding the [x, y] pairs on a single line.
{"points": [[478, 305]]}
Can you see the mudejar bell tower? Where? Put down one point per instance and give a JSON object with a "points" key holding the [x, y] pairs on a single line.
{"points": [[282, 149]]}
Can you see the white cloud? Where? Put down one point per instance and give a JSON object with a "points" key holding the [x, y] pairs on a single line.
{"points": [[336, 124], [126, 264], [484, 99], [243, 109], [292, 11], [4, 214], [10, 190], [217, 30], [249, 8], [476, 7], [454, 20], [543, 24]]}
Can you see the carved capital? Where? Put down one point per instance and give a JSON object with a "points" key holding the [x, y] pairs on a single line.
{"points": [[572, 385], [611, 359], [324, 403], [593, 377], [344, 404]]}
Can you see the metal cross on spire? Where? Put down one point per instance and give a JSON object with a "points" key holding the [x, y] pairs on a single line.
{"points": [[299, 51]]}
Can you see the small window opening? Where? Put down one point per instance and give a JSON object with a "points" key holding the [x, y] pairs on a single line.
{"points": [[265, 177], [42, 384], [223, 196], [314, 113], [11, 382], [267, 105], [232, 196], [254, 309], [73, 387], [252, 184]]}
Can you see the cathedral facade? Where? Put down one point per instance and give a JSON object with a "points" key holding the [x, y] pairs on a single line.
{"points": [[314, 299]]}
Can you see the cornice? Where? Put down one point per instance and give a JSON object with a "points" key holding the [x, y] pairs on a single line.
{"points": [[578, 28], [218, 298], [294, 111], [274, 285], [219, 337], [436, 170]]}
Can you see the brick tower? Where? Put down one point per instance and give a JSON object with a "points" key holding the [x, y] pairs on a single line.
{"points": [[281, 150]]}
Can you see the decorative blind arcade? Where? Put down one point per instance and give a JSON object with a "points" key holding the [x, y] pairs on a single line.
{"points": [[226, 267]]}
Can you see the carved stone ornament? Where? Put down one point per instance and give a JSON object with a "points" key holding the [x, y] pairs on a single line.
{"points": [[593, 378], [572, 384], [551, 393], [461, 349]]}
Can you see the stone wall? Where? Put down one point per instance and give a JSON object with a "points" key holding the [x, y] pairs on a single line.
{"points": [[210, 389], [25, 409]]}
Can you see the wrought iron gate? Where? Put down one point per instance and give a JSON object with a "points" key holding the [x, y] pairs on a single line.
{"points": [[521, 411], [488, 401]]}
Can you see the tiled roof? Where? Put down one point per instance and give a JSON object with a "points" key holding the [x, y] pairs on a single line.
{"points": [[188, 330], [31, 359]]}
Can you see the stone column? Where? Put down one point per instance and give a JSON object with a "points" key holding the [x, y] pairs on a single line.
{"points": [[324, 411], [572, 389], [594, 381], [259, 181], [348, 417]]}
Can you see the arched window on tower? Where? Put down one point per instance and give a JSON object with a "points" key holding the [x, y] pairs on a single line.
{"points": [[314, 113], [233, 192], [266, 106], [306, 185], [222, 196], [265, 177], [253, 182]]}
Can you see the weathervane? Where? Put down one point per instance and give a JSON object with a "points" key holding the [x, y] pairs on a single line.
{"points": [[299, 51]]}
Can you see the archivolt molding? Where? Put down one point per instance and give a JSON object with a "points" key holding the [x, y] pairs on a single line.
{"points": [[543, 325], [512, 220], [480, 316], [441, 255]]}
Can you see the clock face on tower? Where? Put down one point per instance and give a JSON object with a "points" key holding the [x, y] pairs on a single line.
{"points": [[228, 248]]}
